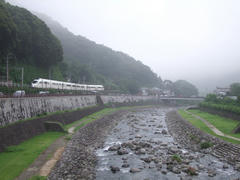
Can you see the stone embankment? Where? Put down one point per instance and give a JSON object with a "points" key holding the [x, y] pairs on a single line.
{"points": [[192, 138], [15, 109]]}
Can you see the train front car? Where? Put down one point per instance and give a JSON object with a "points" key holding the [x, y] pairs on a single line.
{"points": [[35, 83]]}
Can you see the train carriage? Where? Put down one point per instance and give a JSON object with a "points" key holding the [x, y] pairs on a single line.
{"points": [[52, 84]]}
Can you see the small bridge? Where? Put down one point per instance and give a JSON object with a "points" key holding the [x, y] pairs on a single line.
{"points": [[183, 98]]}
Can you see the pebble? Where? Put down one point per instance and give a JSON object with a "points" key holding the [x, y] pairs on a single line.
{"points": [[114, 169], [134, 170]]}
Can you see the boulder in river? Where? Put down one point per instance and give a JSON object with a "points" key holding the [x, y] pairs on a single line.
{"points": [[122, 151], [114, 147], [114, 169], [134, 170]]}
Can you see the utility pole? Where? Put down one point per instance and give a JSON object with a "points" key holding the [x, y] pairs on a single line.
{"points": [[22, 75], [7, 69]]}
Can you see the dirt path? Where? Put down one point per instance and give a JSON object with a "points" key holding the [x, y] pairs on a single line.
{"points": [[213, 128], [42, 166], [36, 166]]}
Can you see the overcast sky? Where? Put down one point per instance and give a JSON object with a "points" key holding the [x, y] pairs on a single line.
{"points": [[196, 40]]}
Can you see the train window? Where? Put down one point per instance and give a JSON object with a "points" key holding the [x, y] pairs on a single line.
{"points": [[34, 82]]}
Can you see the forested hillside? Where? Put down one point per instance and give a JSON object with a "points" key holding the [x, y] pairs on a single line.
{"points": [[94, 63], [27, 42]]}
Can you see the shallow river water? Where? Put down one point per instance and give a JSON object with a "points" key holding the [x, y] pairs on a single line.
{"points": [[141, 148]]}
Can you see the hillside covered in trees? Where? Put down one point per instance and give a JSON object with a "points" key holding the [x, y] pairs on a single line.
{"points": [[93, 63], [27, 37], [26, 40]]}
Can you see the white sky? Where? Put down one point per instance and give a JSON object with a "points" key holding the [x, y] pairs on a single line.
{"points": [[196, 40]]}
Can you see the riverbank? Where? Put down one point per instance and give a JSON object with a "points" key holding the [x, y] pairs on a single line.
{"points": [[136, 144], [192, 137]]}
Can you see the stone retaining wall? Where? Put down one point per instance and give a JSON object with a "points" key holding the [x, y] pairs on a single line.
{"points": [[126, 99], [191, 137], [221, 113], [23, 130], [15, 109]]}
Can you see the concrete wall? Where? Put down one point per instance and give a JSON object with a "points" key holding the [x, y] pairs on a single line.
{"points": [[125, 99], [14, 109]]}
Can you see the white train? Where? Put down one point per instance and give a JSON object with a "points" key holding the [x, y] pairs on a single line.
{"points": [[52, 84]]}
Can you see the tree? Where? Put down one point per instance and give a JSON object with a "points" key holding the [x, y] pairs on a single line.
{"points": [[184, 88], [235, 89]]}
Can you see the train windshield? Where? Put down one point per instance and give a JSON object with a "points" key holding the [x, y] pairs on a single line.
{"points": [[34, 82]]}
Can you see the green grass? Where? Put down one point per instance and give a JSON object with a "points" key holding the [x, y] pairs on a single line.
{"points": [[16, 158], [38, 178], [223, 124], [196, 122], [199, 124]]}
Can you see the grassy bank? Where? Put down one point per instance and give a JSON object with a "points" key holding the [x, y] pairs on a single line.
{"points": [[16, 158], [199, 124], [225, 125]]}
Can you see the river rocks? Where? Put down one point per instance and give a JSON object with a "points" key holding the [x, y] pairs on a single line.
{"points": [[141, 151], [147, 159], [212, 173], [191, 171], [153, 151], [122, 151], [134, 170], [138, 136], [125, 165], [114, 169], [176, 170], [114, 147], [164, 171], [164, 131], [225, 166]]}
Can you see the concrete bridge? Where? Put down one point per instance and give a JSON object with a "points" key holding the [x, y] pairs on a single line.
{"points": [[183, 98]]}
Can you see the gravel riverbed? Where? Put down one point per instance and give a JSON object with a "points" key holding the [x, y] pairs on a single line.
{"points": [[136, 145]]}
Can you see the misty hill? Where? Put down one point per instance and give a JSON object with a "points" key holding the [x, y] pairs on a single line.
{"points": [[91, 62], [27, 42], [27, 37]]}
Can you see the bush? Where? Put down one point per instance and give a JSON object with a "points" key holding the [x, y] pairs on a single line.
{"points": [[205, 145], [177, 158]]}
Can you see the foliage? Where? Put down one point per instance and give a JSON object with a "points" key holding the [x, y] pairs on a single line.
{"points": [[99, 64], [205, 145], [235, 89], [184, 88], [221, 107], [222, 104], [16, 158], [27, 38], [177, 158]]}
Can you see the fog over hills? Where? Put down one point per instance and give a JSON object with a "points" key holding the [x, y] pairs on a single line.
{"points": [[194, 40]]}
